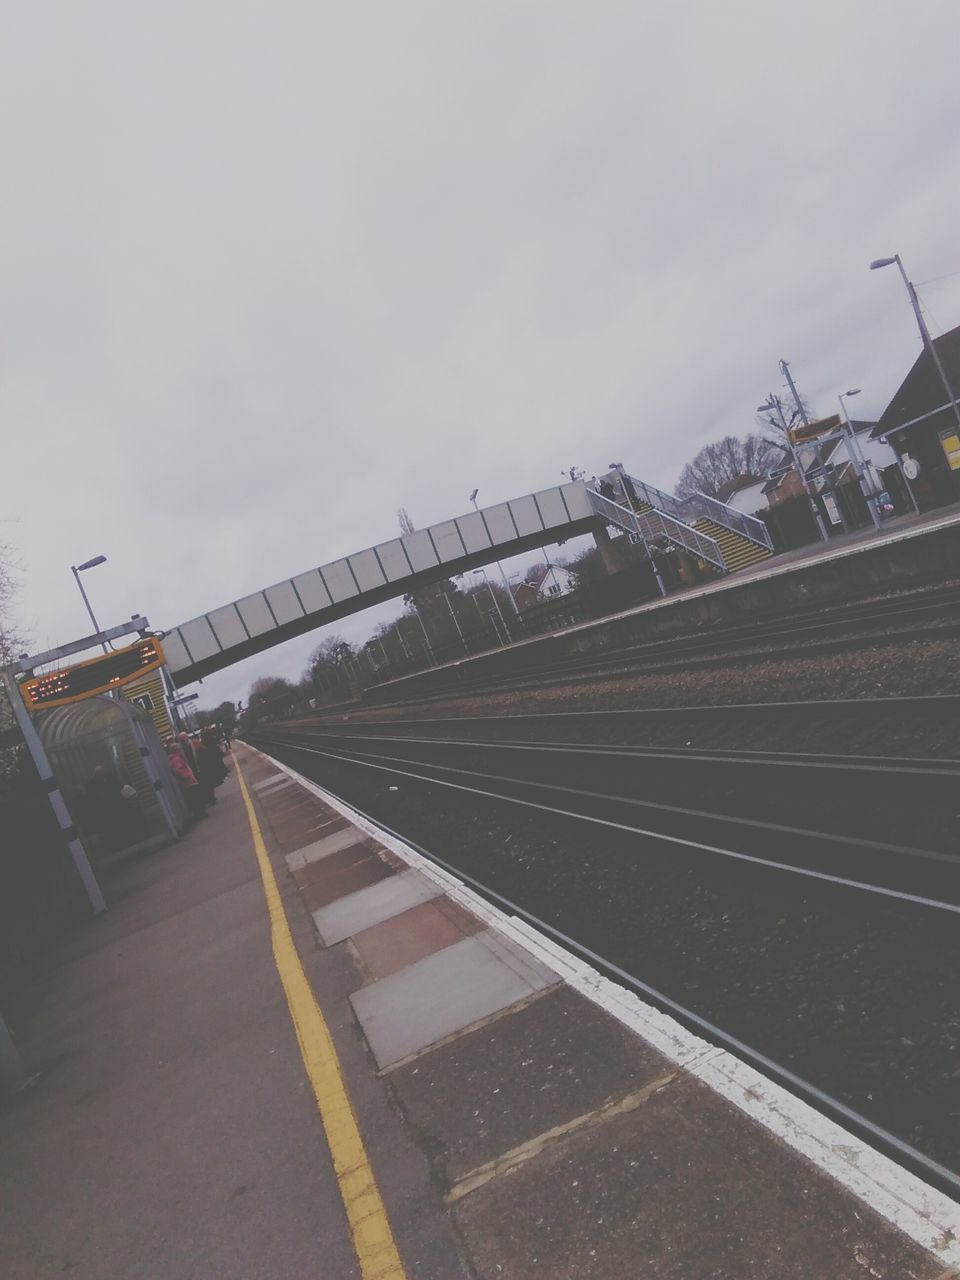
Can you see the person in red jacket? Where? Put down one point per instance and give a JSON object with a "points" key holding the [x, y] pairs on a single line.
{"points": [[186, 779]]}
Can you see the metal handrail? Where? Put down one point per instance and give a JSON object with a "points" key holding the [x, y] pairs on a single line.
{"points": [[701, 506], [648, 525], [747, 526]]}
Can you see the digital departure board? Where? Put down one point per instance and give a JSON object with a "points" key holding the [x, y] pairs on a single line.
{"points": [[98, 675]]}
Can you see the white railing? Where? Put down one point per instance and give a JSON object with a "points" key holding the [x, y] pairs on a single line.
{"points": [[701, 507], [650, 526], [747, 526]]}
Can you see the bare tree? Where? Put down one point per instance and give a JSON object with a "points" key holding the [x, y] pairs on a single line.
{"points": [[728, 459], [12, 643], [271, 697]]}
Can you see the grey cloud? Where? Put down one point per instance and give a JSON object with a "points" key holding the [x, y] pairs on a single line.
{"points": [[272, 271]]}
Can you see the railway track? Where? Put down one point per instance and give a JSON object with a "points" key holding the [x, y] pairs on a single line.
{"points": [[819, 949], [879, 825], [931, 614]]}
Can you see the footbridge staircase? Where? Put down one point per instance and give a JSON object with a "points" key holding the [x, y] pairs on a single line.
{"points": [[720, 536]]}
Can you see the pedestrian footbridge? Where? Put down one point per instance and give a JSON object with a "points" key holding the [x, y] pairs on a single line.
{"points": [[719, 537]]}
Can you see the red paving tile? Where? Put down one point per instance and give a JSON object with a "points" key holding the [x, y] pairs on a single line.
{"points": [[392, 945], [341, 873]]}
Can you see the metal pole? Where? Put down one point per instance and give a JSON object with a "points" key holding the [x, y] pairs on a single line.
{"points": [[12, 1074], [785, 370], [795, 458], [456, 620], [856, 458], [57, 802], [654, 567], [503, 575], [928, 341], [496, 603], [160, 791], [96, 626], [426, 638]]}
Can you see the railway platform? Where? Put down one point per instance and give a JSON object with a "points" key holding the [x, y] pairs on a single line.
{"points": [[294, 1048]]}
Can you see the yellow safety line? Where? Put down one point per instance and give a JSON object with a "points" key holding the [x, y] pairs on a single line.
{"points": [[372, 1238]]}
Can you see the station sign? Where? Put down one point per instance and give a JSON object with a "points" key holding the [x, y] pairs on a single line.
{"points": [[806, 431], [97, 675]]}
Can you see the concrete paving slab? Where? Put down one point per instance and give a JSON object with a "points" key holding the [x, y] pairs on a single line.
{"points": [[271, 783], [678, 1189], [506, 1083], [369, 906], [341, 874], [428, 1001], [322, 848], [393, 944]]}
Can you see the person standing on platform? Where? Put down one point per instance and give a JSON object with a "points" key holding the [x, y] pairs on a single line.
{"points": [[186, 779], [189, 753], [210, 770]]}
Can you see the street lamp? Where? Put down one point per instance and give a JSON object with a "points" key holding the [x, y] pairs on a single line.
{"points": [[856, 456], [922, 325], [76, 570], [506, 581]]}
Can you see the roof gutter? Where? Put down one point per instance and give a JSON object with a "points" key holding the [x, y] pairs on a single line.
{"points": [[885, 431]]}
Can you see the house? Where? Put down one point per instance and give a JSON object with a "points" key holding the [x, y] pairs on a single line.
{"points": [[745, 494], [554, 582], [557, 581], [922, 425]]}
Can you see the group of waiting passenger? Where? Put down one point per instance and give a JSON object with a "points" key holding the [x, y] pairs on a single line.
{"points": [[198, 765]]}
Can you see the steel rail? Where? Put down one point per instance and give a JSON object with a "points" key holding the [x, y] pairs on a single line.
{"points": [[344, 756], [669, 656], [926, 703], [911, 767], [917, 1161]]}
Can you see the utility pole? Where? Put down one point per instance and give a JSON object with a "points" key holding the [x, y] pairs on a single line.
{"points": [[785, 370], [774, 403]]}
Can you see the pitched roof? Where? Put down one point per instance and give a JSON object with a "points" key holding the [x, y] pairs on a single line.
{"points": [[922, 391], [730, 487]]}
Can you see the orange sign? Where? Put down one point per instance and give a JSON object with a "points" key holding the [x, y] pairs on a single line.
{"points": [[97, 675]]}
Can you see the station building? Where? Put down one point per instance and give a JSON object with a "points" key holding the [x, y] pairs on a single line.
{"points": [[923, 428]]}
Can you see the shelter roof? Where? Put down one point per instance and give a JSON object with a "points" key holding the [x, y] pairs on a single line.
{"points": [[922, 390]]}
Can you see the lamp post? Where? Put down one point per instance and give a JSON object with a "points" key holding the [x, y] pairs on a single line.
{"points": [[922, 326], [506, 581], [76, 570], [857, 458], [134, 725], [496, 605]]}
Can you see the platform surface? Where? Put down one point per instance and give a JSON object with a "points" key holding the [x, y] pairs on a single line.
{"points": [[515, 1128]]}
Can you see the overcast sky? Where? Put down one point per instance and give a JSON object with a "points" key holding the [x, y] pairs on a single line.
{"points": [[272, 270]]}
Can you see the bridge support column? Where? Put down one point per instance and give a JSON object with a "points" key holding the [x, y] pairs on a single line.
{"points": [[614, 552]]}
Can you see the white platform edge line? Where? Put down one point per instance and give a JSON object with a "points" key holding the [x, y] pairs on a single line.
{"points": [[927, 1216]]}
